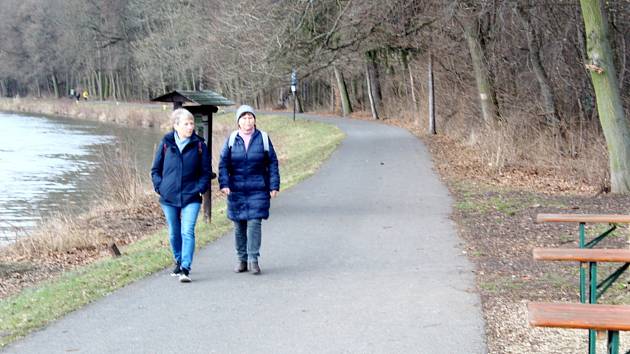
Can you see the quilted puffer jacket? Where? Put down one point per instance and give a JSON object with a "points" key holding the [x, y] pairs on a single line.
{"points": [[181, 177], [250, 175]]}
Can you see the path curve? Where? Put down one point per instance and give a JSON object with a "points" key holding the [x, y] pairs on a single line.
{"points": [[360, 258]]}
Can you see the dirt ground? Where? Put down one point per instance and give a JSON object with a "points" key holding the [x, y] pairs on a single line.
{"points": [[495, 214], [21, 268]]}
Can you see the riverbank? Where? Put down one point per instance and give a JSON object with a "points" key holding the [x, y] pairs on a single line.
{"points": [[122, 113], [48, 275]]}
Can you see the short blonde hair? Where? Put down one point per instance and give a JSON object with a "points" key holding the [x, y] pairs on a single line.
{"points": [[181, 114]]}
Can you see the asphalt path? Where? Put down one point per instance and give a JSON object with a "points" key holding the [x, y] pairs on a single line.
{"points": [[360, 258]]}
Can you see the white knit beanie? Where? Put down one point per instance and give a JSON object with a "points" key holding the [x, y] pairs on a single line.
{"points": [[242, 110]]}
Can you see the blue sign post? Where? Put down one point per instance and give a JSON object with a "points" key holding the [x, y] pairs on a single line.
{"points": [[294, 83]]}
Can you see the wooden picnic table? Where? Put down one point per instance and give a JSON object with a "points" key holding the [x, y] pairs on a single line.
{"points": [[590, 316]]}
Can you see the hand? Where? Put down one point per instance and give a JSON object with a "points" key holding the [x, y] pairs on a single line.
{"points": [[226, 191], [273, 194]]}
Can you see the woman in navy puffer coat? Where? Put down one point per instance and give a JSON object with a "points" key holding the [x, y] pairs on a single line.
{"points": [[181, 173], [249, 176]]}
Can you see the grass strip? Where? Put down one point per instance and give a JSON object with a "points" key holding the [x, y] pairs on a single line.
{"points": [[303, 146]]}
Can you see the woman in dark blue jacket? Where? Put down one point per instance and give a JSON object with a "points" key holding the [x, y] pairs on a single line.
{"points": [[249, 176], [181, 173]]}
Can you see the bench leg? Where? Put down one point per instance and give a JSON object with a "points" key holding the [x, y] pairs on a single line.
{"points": [[592, 267], [592, 334], [613, 342], [582, 266]]}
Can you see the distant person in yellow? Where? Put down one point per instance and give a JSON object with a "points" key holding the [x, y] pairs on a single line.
{"points": [[85, 95]]}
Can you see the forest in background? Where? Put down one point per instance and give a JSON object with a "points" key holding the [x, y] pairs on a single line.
{"points": [[526, 58]]}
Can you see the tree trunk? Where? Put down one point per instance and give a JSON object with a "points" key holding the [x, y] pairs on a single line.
{"points": [[431, 90], [413, 95], [282, 98], [332, 92], [300, 108], [489, 111], [370, 92], [374, 81], [236, 85], [113, 88], [622, 61], [99, 81], [39, 92], [55, 85], [162, 81], [346, 108], [549, 105], [200, 82], [404, 62], [603, 75], [93, 85], [122, 89]]}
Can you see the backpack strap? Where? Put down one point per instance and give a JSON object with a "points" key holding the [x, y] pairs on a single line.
{"points": [[265, 139], [163, 149]]}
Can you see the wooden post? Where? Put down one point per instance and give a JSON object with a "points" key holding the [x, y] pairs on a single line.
{"points": [[370, 92], [432, 129], [113, 249], [207, 196]]}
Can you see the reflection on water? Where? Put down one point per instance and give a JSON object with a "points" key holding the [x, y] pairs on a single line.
{"points": [[50, 164]]}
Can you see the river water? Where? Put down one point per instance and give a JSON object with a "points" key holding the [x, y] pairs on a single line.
{"points": [[50, 165]]}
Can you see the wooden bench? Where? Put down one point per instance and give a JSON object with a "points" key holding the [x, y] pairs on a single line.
{"points": [[610, 318], [585, 315], [568, 315], [591, 257], [582, 254], [584, 218]]}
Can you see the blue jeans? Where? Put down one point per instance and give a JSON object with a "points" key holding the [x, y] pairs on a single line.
{"points": [[247, 237], [181, 231]]}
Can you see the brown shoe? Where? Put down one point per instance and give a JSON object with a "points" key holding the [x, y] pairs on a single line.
{"points": [[254, 268], [240, 267]]}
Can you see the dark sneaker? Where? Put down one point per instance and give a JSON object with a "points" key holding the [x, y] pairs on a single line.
{"points": [[240, 267], [253, 266], [184, 277], [176, 271]]}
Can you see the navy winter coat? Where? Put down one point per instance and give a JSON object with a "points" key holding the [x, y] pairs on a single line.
{"points": [[250, 175], [181, 178]]}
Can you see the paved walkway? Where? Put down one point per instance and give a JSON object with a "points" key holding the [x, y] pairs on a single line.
{"points": [[360, 258]]}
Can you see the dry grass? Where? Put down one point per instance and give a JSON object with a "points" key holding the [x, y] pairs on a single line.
{"points": [[127, 114], [124, 184], [125, 194], [522, 153]]}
